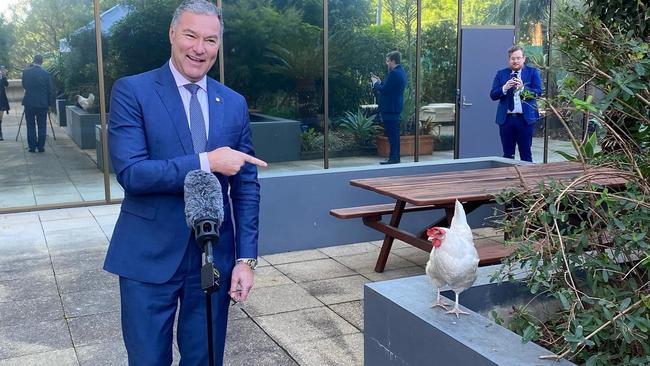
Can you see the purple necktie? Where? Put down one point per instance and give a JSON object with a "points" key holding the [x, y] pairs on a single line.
{"points": [[197, 123]]}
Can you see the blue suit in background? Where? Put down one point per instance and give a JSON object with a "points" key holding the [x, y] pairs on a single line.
{"points": [[39, 96], [517, 129], [151, 150], [391, 103]]}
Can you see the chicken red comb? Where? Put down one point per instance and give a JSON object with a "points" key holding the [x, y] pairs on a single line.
{"points": [[434, 231]]}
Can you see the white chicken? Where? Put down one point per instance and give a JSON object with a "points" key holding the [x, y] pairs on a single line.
{"points": [[453, 260], [86, 103]]}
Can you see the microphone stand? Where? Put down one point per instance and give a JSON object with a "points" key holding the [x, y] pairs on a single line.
{"points": [[207, 234]]}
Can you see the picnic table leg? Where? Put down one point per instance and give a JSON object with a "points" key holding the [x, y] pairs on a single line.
{"points": [[388, 240]]}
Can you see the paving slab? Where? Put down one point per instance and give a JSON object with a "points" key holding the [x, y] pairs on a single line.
{"points": [[346, 350], [31, 338], [413, 255], [27, 287], [305, 325], [295, 256], [337, 290], [269, 276], [351, 311], [365, 263], [64, 214], [247, 344], [90, 302], [278, 299], [350, 249], [111, 353], [78, 260], [64, 357], [93, 329], [24, 265], [87, 281], [314, 270], [394, 273], [40, 309]]}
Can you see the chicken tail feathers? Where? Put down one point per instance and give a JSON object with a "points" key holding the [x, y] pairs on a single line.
{"points": [[459, 222]]}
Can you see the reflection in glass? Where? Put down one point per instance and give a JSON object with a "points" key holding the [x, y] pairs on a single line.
{"points": [[276, 62], [66, 171], [438, 65]]}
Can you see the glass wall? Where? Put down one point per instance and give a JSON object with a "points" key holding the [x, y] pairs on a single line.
{"points": [[273, 54], [61, 168], [438, 79]]}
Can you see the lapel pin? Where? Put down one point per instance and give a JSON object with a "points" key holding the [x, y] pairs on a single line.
{"points": [[218, 99]]}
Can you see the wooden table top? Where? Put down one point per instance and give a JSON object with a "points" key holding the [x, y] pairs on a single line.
{"points": [[481, 184]]}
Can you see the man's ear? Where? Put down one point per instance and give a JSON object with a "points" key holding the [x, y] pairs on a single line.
{"points": [[171, 34]]}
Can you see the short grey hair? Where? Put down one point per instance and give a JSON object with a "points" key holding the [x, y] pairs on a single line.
{"points": [[516, 48], [197, 7]]}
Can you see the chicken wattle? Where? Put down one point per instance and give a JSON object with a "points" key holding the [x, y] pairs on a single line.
{"points": [[453, 260]]}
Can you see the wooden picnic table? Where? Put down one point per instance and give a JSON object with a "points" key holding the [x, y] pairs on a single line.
{"points": [[473, 188]]}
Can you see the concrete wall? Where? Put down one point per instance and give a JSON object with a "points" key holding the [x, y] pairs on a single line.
{"points": [[15, 91], [294, 212]]}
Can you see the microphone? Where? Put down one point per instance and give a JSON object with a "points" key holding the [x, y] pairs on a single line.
{"points": [[204, 215]]}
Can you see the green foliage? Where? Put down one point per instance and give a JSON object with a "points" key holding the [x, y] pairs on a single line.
{"points": [[139, 42], [439, 62], [80, 65], [581, 244], [6, 43], [309, 140], [362, 127]]}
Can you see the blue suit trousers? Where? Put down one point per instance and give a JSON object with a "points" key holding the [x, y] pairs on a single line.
{"points": [[148, 312], [391, 128], [517, 132]]}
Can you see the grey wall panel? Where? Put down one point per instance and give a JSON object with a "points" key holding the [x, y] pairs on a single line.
{"points": [[294, 212]]}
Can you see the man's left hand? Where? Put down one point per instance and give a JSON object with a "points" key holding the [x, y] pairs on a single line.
{"points": [[241, 282]]}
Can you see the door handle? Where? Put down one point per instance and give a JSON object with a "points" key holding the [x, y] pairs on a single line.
{"points": [[465, 103]]}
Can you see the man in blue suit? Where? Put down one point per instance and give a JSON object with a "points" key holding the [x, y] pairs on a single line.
{"points": [[163, 124], [391, 101], [38, 98], [516, 88]]}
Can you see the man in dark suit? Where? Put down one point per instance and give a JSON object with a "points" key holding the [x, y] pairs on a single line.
{"points": [[163, 124], [516, 88], [391, 101], [38, 98]]}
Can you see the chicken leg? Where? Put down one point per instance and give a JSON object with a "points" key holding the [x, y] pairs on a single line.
{"points": [[439, 302], [456, 310]]}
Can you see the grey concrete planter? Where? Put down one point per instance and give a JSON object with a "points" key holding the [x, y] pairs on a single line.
{"points": [[81, 126], [275, 139], [402, 329], [61, 112], [100, 150]]}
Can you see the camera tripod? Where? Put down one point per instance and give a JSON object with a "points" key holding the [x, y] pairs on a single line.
{"points": [[49, 118]]}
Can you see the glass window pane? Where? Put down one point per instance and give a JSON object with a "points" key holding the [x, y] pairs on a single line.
{"points": [[274, 57], [57, 164]]}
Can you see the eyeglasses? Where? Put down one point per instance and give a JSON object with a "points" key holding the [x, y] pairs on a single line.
{"points": [[516, 58]]}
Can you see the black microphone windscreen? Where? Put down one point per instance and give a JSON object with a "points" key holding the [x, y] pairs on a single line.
{"points": [[203, 198]]}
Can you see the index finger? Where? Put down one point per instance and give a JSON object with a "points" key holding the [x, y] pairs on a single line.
{"points": [[254, 160]]}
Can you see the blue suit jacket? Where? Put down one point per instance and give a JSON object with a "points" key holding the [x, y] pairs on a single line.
{"points": [[38, 87], [532, 82], [391, 93], [151, 150]]}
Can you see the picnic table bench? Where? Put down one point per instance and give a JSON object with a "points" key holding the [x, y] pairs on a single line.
{"points": [[474, 188]]}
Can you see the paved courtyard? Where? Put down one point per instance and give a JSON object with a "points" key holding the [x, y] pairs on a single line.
{"points": [[59, 308]]}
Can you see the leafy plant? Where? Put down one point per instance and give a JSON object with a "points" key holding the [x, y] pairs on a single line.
{"points": [[581, 244], [362, 127], [309, 140]]}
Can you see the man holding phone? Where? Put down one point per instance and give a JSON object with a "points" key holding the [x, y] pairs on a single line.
{"points": [[391, 101], [516, 88]]}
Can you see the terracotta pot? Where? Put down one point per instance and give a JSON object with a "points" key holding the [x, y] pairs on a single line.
{"points": [[406, 145]]}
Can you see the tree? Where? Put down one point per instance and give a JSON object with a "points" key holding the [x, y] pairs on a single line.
{"points": [[6, 43]]}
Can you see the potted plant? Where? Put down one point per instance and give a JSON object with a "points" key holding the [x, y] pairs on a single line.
{"points": [[407, 127]]}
